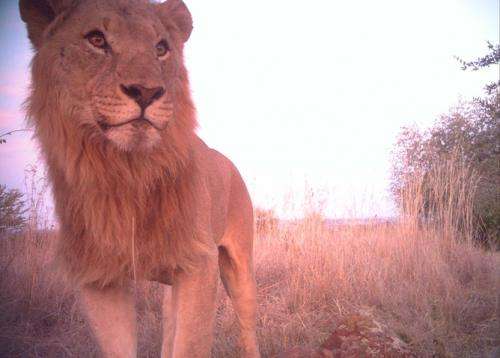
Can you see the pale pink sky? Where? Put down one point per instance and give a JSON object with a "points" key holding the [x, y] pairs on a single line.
{"points": [[304, 91]]}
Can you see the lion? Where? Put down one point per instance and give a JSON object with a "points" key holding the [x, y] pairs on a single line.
{"points": [[138, 195]]}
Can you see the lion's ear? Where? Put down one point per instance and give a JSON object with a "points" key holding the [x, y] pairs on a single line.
{"points": [[38, 14], [177, 13]]}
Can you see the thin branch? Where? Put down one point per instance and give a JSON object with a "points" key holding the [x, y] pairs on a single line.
{"points": [[14, 131]]}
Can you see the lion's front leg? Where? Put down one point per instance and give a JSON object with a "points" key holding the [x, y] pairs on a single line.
{"points": [[190, 313], [112, 318]]}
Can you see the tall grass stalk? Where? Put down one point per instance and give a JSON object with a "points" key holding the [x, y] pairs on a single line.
{"points": [[441, 198]]}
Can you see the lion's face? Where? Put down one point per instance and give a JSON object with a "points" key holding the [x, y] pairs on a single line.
{"points": [[119, 62]]}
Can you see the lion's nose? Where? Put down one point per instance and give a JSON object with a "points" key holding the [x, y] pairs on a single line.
{"points": [[142, 95]]}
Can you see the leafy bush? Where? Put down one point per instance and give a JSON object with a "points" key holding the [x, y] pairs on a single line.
{"points": [[463, 146], [11, 209], [469, 138]]}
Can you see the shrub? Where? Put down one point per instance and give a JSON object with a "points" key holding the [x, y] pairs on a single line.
{"points": [[11, 209], [464, 142], [463, 146]]}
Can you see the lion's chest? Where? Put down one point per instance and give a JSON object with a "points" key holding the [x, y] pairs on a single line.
{"points": [[114, 237]]}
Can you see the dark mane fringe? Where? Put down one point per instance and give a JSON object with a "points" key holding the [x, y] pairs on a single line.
{"points": [[123, 215]]}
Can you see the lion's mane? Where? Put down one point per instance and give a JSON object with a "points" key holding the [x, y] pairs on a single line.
{"points": [[120, 212]]}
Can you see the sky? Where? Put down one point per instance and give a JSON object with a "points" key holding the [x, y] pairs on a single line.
{"points": [[301, 95]]}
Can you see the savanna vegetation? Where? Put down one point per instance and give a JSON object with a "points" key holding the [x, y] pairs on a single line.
{"points": [[465, 141], [11, 209], [428, 281]]}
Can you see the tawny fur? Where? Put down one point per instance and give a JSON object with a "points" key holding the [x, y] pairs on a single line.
{"points": [[138, 195]]}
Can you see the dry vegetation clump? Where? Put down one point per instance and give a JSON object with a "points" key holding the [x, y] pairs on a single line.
{"points": [[439, 296], [423, 278]]}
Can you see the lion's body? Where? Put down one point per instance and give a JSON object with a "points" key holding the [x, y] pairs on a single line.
{"points": [[137, 198], [121, 228]]}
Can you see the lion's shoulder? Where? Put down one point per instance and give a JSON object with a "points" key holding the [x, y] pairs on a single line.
{"points": [[212, 163]]}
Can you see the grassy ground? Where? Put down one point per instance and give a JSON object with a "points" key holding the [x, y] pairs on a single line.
{"points": [[439, 295]]}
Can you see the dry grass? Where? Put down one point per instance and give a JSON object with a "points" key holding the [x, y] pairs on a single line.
{"points": [[440, 294], [436, 294]]}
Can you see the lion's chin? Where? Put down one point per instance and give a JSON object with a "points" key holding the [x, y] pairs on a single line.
{"points": [[132, 138]]}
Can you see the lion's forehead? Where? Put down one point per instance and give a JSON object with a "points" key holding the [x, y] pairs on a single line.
{"points": [[123, 7], [121, 18]]}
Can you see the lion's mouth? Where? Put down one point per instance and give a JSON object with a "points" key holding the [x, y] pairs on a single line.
{"points": [[136, 122]]}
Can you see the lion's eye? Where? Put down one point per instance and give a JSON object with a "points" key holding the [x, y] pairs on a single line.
{"points": [[162, 48], [96, 38]]}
